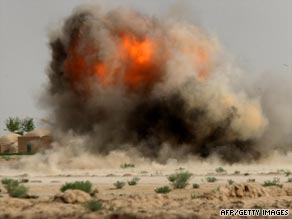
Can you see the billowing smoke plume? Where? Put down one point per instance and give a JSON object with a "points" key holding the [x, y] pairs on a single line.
{"points": [[125, 80]]}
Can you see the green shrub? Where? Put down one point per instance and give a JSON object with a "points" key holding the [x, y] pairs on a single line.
{"points": [[230, 182], [127, 165], [85, 186], [195, 196], [211, 179], [119, 184], [172, 178], [180, 180], [220, 170], [287, 172], [14, 189], [7, 181], [163, 189], [18, 191], [289, 179], [93, 205], [196, 186], [133, 181], [272, 183], [24, 180]]}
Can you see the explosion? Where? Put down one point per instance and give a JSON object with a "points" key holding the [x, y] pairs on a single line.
{"points": [[125, 80]]}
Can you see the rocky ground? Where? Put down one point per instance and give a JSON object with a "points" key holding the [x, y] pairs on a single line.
{"points": [[231, 190]]}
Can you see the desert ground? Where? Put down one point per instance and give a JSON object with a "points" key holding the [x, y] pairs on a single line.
{"points": [[141, 201]]}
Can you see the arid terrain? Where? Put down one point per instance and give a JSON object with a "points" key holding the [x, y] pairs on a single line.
{"points": [[239, 186]]}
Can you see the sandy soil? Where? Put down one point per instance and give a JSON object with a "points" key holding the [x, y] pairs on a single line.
{"points": [[141, 201]]}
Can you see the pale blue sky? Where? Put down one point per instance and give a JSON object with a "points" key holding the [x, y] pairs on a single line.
{"points": [[257, 32]]}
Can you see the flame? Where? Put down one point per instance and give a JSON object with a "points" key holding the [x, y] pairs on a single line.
{"points": [[140, 52], [135, 57], [139, 63]]}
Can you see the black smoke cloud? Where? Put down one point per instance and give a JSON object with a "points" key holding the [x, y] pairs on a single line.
{"points": [[187, 104]]}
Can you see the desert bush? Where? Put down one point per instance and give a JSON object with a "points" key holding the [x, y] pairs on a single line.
{"points": [[18, 191], [85, 186], [119, 184], [93, 205], [236, 172], [163, 189], [196, 186], [7, 181], [196, 196], [289, 179], [246, 174], [24, 180], [230, 182], [220, 170], [287, 172], [171, 178], [127, 165], [180, 179], [133, 181], [272, 183], [251, 180], [211, 179], [14, 189]]}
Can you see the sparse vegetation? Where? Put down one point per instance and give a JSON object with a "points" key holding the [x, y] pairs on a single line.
{"points": [[272, 183], [180, 179], [7, 155], [196, 196], [119, 184], [93, 205], [133, 181], [7, 181], [127, 165], [236, 172], [24, 180], [85, 186], [289, 179], [220, 170], [196, 186], [172, 178], [246, 174], [163, 190], [230, 182], [251, 180], [14, 189], [211, 179], [287, 172]]}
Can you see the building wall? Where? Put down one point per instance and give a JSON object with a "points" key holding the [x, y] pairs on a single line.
{"points": [[34, 143], [8, 148]]}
